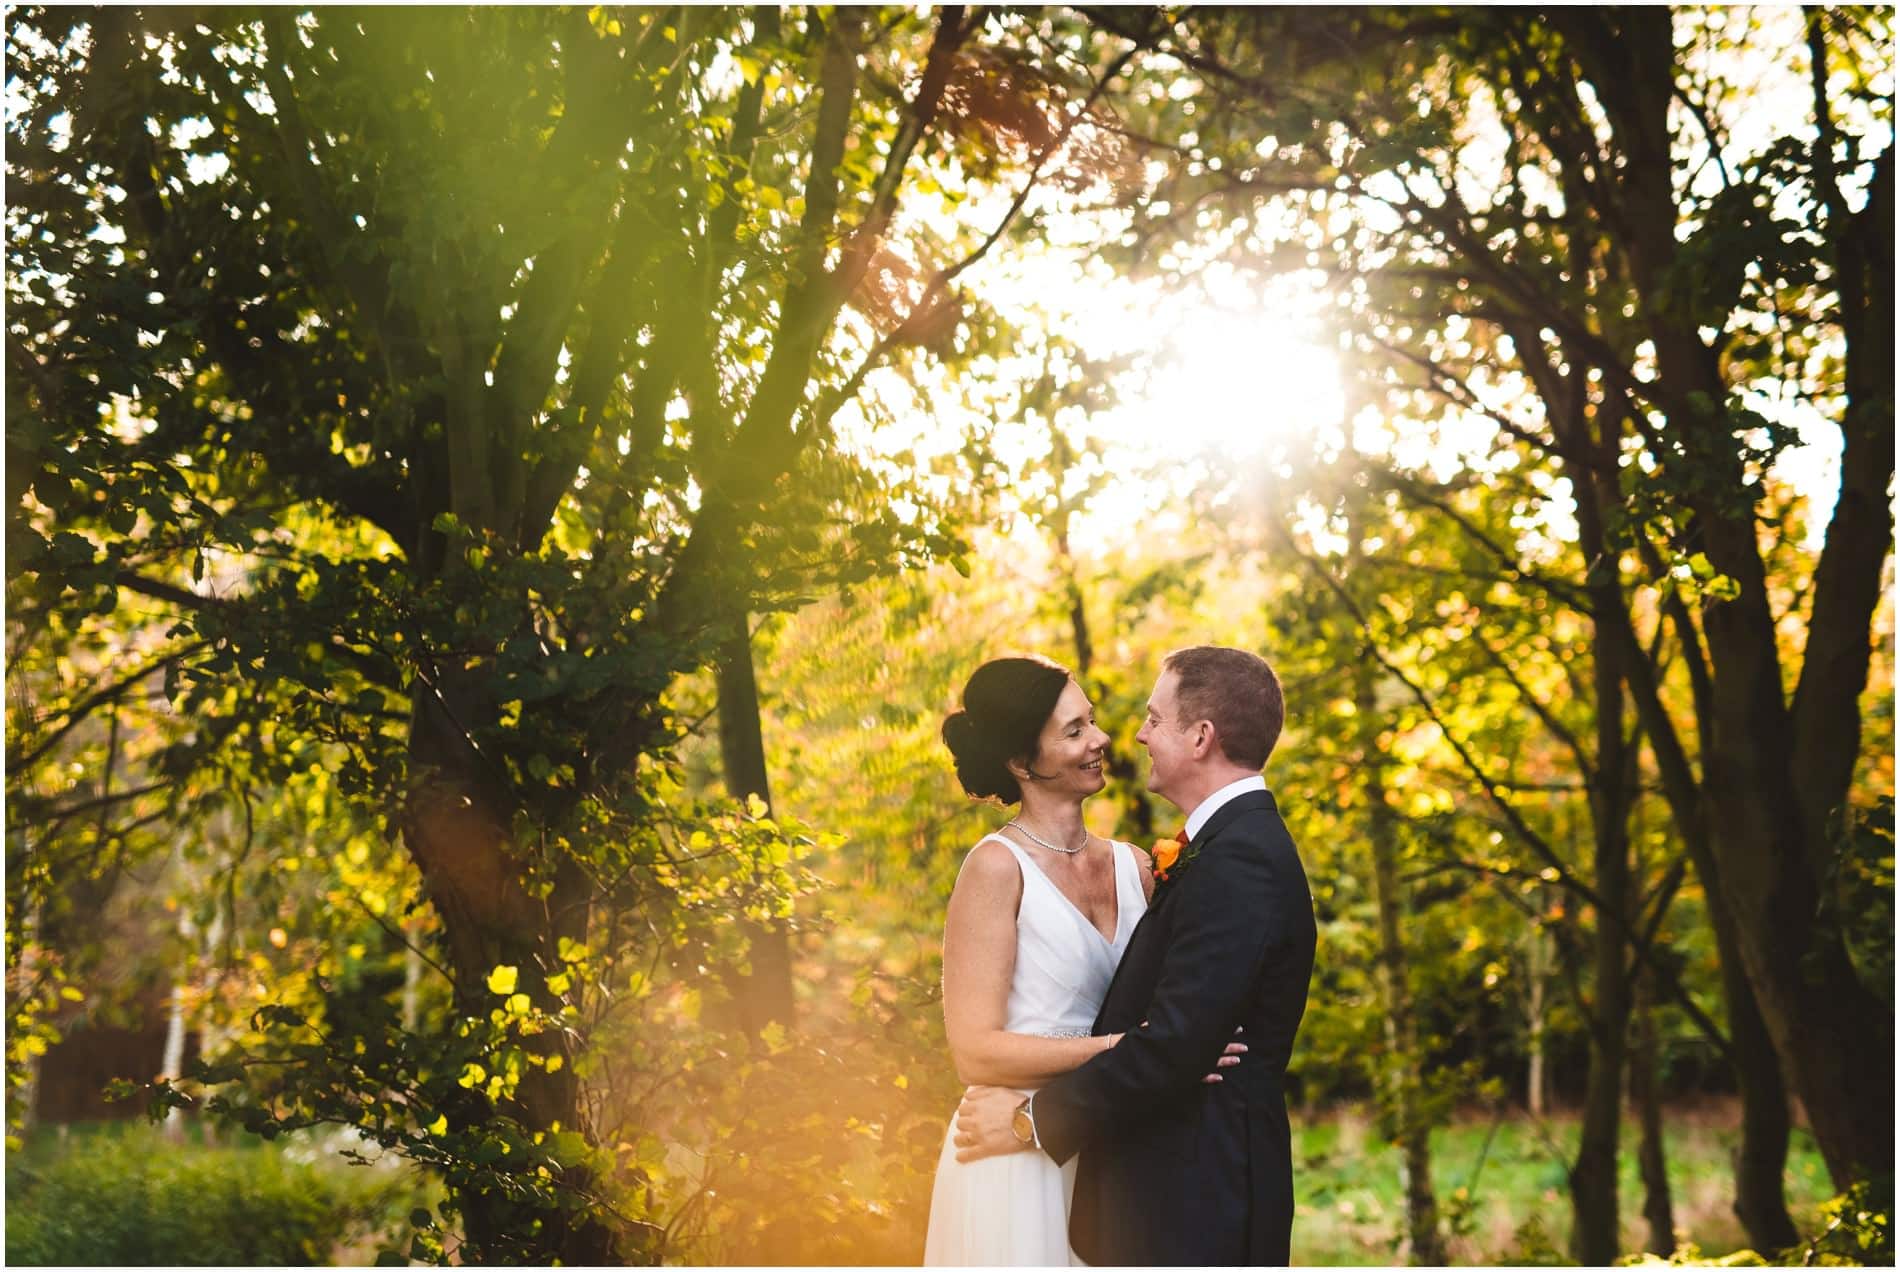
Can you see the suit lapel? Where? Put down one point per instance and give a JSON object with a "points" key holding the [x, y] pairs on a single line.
{"points": [[1135, 952], [1222, 818]]}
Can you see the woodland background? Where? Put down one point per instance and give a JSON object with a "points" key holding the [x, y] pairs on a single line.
{"points": [[499, 501]]}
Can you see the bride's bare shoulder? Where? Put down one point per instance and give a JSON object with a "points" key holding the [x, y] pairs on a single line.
{"points": [[989, 874], [1145, 865], [990, 863]]}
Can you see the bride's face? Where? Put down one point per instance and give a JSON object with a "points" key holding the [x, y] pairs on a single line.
{"points": [[1069, 757]]}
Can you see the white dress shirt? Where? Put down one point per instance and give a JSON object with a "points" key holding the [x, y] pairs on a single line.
{"points": [[1212, 804]]}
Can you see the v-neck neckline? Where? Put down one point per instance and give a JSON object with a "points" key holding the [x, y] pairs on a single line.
{"points": [[1115, 871]]}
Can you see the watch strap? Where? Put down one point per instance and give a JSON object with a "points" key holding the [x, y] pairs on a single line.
{"points": [[1028, 1109]]}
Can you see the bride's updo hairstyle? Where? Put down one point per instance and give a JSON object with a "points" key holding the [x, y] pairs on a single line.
{"points": [[1005, 704]]}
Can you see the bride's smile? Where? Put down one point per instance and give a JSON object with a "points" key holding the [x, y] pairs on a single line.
{"points": [[1071, 741]]}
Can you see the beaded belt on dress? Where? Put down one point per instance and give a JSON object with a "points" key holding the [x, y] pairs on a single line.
{"points": [[1064, 1033]]}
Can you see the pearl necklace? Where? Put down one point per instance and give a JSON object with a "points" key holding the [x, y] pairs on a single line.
{"points": [[1067, 852]]}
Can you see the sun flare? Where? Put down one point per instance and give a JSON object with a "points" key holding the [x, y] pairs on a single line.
{"points": [[1232, 382]]}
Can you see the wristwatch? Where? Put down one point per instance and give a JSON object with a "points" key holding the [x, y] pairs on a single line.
{"points": [[1022, 1124]]}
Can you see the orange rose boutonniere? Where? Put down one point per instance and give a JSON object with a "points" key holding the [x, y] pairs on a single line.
{"points": [[1167, 853]]}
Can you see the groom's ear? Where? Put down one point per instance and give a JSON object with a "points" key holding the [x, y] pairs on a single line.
{"points": [[1206, 741]]}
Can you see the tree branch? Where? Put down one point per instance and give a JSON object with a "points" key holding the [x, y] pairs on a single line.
{"points": [[1514, 569], [549, 296], [941, 280], [1542, 712], [809, 303], [77, 714], [1514, 820], [58, 816], [922, 112]]}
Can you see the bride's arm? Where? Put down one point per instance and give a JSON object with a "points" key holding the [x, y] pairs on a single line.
{"points": [[979, 958]]}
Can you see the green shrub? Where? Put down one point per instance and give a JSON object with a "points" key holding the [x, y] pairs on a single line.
{"points": [[1532, 1246], [136, 1198], [1689, 1254], [1856, 1228]]}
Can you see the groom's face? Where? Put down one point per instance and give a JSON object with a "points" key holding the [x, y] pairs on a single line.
{"points": [[1170, 749]]}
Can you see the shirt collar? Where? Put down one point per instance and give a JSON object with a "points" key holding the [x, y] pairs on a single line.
{"points": [[1212, 804]]}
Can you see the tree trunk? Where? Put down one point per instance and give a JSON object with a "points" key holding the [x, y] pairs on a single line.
{"points": [[1646, 1094], [177, 1025], [1771, 802], [1078, 618], [22, 1101], [411, 986], [1595, 1238], [1761, 1157], [1762, 1154], [1399, 1080], [764, 994], [172, 1061], [1536, 972], [457, 828], [1833, 1035]]}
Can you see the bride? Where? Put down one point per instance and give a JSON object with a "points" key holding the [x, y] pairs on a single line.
{"points": [[1040, 915]]}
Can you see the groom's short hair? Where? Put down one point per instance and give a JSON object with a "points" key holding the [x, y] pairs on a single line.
{"points": [[1236, 692]]}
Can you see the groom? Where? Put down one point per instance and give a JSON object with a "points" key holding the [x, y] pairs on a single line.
{"points": [[1174, 1171]]}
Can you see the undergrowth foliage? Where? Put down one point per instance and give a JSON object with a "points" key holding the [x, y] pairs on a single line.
{"points": [[686, 1116], [135, 1198]]}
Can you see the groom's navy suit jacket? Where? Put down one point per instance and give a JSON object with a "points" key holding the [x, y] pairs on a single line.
{"points": [[1175, 1171]]}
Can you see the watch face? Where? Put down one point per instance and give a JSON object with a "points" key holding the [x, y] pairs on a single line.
{"points": [[1025, 1129]]}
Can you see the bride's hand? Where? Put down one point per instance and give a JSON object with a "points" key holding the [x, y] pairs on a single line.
{"points": [[1230, 1056]]}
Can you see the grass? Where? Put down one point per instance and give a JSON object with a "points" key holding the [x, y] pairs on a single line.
{"points": [[1350, 1204], [125, 1194]]}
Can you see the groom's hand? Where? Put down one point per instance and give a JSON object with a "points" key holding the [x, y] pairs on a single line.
{"points": [[983, 1123], [1228, 1057]]}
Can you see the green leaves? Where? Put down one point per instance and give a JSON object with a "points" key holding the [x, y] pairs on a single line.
{"points": [[1696, 578]]}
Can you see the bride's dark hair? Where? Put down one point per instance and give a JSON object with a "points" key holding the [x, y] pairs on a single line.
{"points": [[1005, 704]]}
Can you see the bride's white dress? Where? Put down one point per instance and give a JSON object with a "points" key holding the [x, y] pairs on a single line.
{"points": [[1013, 1210]]}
